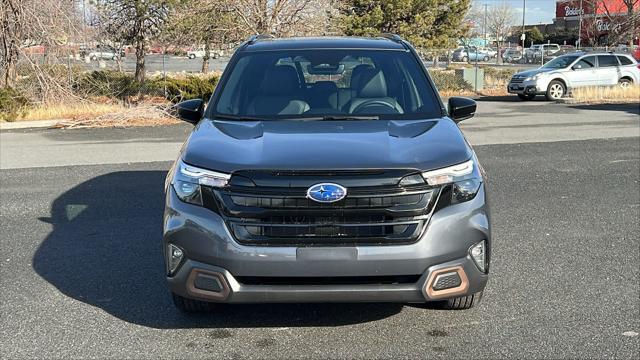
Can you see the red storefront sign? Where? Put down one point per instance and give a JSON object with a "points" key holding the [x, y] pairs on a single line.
{"points": [[586, 8]]}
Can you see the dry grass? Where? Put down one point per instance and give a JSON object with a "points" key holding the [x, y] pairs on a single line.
{"points": [[147, 114], [609, 94], [103, 112], [67, 111]]}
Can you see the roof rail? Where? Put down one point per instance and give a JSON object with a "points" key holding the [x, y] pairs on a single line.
{"points": [[253, 38], [392, 37]]}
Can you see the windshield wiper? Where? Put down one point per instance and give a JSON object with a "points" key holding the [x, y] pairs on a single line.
{"points": [[238, 117], [349, 117]]}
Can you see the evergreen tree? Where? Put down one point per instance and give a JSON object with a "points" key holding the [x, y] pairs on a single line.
{"points": [[425, 23]]}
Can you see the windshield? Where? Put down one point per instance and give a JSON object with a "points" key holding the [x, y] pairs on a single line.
{"points": [[560, 62], [385, 84]]}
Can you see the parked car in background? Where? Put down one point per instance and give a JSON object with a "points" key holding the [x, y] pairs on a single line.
{"points": [[562, 51], [104, 53], [470, 53], [537, 52], [512, 55], [493, 53], [560, 75], [199, 53]]}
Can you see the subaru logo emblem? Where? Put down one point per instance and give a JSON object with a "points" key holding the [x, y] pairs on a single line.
{"points": [[326, 192]]}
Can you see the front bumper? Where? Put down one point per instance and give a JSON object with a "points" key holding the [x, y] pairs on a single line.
{"points": [[210, 248], [525, 88]]}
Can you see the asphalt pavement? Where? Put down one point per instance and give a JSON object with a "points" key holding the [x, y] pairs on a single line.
{"points": [[82, 271]]}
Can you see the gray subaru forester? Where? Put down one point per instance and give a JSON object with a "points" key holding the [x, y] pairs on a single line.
{"points": [[326, 170]]}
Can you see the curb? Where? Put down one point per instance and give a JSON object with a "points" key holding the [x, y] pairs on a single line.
{"points": [[28, 124]]}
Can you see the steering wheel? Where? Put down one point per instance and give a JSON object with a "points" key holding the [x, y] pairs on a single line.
{"points": [[373, 102]]}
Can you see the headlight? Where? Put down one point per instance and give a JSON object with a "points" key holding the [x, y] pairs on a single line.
{"points": [[465, 179], [187, 180], [534, 77]]}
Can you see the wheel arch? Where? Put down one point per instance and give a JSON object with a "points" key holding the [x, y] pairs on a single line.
{"points": [[563, 81], [626, 77]]}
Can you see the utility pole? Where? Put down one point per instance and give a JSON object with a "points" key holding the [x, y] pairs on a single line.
{"points": [[580, 27], [484, 24], [523, 37], [84, 26]]}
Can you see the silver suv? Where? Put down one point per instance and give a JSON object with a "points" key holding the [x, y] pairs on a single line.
{"points": [[563, 73]]}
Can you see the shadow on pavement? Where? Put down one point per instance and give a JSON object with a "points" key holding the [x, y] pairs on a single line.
{"points": [[105, 250], [631, 108], [508, 98]]}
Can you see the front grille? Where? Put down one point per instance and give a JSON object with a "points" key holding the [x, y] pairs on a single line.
{"points": [[273, 216], [517, 80], [340, 280]]}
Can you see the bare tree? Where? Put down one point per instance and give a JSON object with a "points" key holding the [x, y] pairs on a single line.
{"points": [[135, 22], [211, 26], [607, 23], [620, 28], [281, 17], [500, 20], [25, 23], [225, 23], [476, 19]]}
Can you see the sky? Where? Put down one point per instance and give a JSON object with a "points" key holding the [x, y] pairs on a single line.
{"points": [[538, 11]]}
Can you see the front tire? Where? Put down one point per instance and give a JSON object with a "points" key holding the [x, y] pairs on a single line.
{"points": [[465, 59], [486, 58], [556, 90], [191, 56], [190, 305], [463, 302], [526, 97]]}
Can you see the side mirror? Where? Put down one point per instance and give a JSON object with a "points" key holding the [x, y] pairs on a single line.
{"points": [[461, 108], [190, 111], [576, 67]]}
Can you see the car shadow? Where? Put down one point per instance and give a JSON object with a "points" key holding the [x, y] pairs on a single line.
{"points": [[631, 108], [508, 98], [105, 250]]}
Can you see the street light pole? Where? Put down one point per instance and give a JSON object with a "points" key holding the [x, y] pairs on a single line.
{"points": [[484, 23], [524, 8], [580, 27]]}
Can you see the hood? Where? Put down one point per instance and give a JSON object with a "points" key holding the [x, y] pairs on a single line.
{"points": [[229, 146], [533, 72]]}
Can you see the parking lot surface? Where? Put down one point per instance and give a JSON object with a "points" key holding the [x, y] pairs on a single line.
{"points": [[82, 269]]}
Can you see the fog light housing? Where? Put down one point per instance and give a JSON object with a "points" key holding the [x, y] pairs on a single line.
{"points": [[478, 254], [175, 256]]}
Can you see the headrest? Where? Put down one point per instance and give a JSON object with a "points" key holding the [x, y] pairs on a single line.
{"points": [[280, 80], [328, 87], [356, 74], [370, 84]]}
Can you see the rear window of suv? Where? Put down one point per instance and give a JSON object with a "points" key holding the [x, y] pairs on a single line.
{"points": [[284, 84], [624, 60]]}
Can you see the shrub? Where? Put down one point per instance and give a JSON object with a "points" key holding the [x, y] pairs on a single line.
{"points": [[448, 81], [107, 83], [499, 74], [191, 87], [12, 104], [116, 84]]}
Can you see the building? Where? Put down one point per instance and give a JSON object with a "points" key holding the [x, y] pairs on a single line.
{"points": [[598, 22]]}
